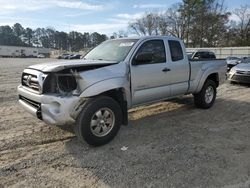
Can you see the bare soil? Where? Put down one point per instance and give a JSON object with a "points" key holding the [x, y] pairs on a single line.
{"points": [[169, 144]]}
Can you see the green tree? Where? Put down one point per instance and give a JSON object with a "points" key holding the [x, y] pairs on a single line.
{"points": [[97, 38], [48, 38], [18, 31], [7, 36], [28, 36], [243, 25]]}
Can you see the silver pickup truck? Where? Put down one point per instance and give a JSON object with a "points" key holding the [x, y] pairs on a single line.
{"points": [[96, 92]]}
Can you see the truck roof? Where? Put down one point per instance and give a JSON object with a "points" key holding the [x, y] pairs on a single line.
{"points": [[149, 37]]}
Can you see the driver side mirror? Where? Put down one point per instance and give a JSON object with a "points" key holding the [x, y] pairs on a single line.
{"points": [[143, 57]]}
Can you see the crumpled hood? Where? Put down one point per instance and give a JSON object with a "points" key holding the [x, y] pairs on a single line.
{"points": [[61, 65], [243, 67], [86, 72]]}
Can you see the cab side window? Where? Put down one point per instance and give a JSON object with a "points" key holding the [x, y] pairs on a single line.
{"points": [[175, 50], [156, 48]]}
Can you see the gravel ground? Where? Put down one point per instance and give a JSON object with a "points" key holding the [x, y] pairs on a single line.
{"points": [[168, 144]]}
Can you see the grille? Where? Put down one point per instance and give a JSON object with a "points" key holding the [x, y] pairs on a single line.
{"points": [[241, 78], [243, 72], [30, 81]]}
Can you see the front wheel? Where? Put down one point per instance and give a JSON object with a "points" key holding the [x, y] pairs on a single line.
{"points": [[99, 121], [206, 97]]}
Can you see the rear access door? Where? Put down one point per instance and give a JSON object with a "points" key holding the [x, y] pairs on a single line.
{"points": [[180, 67]]}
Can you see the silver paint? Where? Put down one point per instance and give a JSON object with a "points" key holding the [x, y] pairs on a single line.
{"points": [[140, 84]]}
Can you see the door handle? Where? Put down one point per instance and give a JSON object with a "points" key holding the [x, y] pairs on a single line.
{"points": [[166, 70]]}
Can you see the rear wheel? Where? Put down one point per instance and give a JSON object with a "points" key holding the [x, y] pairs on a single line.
{"points": [[206, 97], [99, 121]]}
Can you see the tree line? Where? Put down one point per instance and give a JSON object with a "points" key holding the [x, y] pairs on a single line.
{"points": [[17, 35], [199, 23]]}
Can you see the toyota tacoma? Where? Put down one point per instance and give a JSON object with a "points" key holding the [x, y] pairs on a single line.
{"points": [[95, 93]]}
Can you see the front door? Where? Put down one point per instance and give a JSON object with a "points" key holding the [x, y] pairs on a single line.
{"points": [[150, 80]]}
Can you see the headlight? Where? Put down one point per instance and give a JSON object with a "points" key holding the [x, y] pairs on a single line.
{"points": [[232, 71]]}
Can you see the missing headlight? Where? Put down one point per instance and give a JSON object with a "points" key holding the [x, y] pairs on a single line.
{"points": [[66, 83], [59, 83], [50, 84]]}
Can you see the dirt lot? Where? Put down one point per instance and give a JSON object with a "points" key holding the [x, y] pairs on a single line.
{"points": [[170, 144]]}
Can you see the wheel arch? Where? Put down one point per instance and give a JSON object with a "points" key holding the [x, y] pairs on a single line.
{"points": [[214, 76], [119, 95]]}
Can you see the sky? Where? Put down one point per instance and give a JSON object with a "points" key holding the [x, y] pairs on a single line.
{"points": [[102, 16]]}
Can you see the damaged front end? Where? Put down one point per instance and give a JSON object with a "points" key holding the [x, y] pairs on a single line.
{"points": [[52, 97], [54, 92]]}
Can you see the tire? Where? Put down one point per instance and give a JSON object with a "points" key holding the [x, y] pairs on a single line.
{"points": [[99, 121], [201, 100]]}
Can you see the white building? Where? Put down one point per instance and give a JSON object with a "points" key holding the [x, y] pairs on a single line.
{"points": [[19, 51], [224, 52]]}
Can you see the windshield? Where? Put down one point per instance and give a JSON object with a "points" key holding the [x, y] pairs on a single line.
{"points": [[111, 50]]}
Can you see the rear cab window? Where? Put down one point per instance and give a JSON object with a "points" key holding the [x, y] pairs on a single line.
{"points": [[175, 50]]}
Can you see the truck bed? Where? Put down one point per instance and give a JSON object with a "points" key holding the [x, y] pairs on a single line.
{"points": [[198, 67]]}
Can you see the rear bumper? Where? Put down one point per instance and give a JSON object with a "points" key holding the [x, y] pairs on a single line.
{"points": [[52, 109]]}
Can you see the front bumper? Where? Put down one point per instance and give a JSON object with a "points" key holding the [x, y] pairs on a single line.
{"points": [[52, 109], [241, 78]]}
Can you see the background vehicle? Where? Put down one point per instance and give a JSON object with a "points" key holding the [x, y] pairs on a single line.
{"points": [[246, 60], [63, 56], [242, 60], [241, 72], [202, 54], [41, 56], [96, 92], [23, 55], [190, 54], [74, 56], [232, 61]]}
